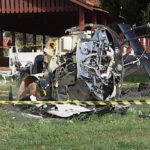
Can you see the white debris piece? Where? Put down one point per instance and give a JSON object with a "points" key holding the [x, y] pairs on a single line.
{"points": [[33, 98], [31, 116], [67, 110]]}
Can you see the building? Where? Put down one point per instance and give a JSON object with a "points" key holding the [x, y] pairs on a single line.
{"points": [[47, 17]]}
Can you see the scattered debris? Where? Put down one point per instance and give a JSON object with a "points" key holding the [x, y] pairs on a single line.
{"points": [[4, 140], [31, 116], [143, 86], [67, 110], [142, 90], [84, 65], [143, 115], [3, 128], [133, 110], [121, 109]]}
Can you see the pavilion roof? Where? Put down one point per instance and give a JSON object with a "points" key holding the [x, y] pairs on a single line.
{"points": [[41, 6]]}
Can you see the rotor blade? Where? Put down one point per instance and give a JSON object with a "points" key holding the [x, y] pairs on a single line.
{"points": [[129, 34], [145, 61], [147, 67]]}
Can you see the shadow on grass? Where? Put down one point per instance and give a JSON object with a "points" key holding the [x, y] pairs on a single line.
{"points": [[140, 76]]}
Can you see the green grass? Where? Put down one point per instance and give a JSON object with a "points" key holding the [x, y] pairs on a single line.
{"points": [[5, 87], [139, 76], [110, 132]]}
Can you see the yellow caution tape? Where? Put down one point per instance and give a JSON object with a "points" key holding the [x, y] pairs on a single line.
{"points": [[4, 92], [32, 45], [82, 103], [38, 45]]}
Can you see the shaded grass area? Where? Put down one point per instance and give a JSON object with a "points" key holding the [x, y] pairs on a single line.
{"points": [[5, 89], [131, 84], [137, 77], [110, 132]]}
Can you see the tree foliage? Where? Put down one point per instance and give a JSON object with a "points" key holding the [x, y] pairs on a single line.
{"points": [[134, 11], [147, 16]]}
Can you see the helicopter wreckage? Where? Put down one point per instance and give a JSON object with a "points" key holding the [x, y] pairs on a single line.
{"points": [[85, 66]]}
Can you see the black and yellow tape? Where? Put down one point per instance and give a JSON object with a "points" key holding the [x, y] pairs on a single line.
{"points": [[81, 103], [37, 45], [40, 45]]}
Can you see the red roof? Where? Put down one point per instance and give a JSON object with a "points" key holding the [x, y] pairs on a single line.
{"points": [[89, 4], [95, 3], [40, 6]]}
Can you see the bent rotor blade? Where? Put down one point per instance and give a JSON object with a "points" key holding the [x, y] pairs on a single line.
{"points": [[130, 35], [147, 67], [136, 46], [145, 61]]}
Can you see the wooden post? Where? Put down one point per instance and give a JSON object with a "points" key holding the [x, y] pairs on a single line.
{"points": [[44, 41], [34, 42], [81, 17], [1, 43], [94, 17], [113, 21], [103, 19], [24, 41], [13, 40]]}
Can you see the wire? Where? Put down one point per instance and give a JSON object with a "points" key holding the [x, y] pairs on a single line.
{"points": [[138, 60]]}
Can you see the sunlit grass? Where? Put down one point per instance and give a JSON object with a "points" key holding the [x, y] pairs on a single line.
{"points": [[110, 132]]}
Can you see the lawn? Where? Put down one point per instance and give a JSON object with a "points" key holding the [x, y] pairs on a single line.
{"points": [[109, 132]]}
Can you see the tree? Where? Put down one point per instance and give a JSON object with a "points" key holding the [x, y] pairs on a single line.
{"points": [[113, 6], [132, 10], [147, 14]]}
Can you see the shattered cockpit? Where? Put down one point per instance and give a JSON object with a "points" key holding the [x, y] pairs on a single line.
{"points": [[85, 65]]}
